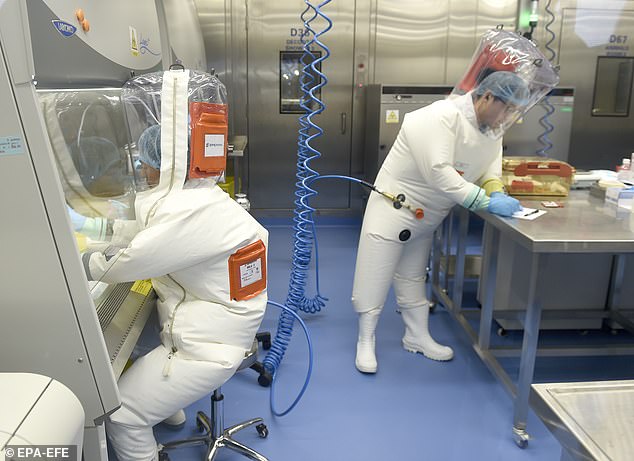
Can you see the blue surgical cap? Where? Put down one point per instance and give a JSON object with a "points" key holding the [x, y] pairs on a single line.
{"points": [[150, 146], [506, 86]]}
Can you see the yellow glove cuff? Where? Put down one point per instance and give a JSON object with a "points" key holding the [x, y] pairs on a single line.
{"points": [[82, 242], [492, 185]]}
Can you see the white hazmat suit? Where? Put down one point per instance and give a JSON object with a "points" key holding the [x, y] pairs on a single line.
{"points": [[182, 240], [437, 160]]}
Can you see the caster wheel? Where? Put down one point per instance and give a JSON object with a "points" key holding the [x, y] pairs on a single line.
{"points": [[432, 307], [520, 436], [199, 426], [264, 338], [265, 379], [502, 332], [202, 422], [522, 443], [263, 431]]}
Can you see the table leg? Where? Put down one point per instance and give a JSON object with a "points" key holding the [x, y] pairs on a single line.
{"points": [[459, 269], [529, 351], [486, 314]]}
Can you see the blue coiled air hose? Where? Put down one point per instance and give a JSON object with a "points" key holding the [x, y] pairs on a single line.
{"points": [[286, 310], [304, 226], [305, 238], [544, 121]]}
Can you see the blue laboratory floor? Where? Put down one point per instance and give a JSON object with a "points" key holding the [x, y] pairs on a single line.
{"points": [[412, 409]]}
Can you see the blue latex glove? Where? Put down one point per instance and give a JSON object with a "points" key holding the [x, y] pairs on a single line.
{"points": [[503, 205], [77, 219]]}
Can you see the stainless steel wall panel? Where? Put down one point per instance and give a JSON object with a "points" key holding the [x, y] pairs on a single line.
{"points": [[462, 39], [495, 12], [362, 64], [597, 142], [411, 41], [388, 41], [272, 28], [213, 26], [185, 34]]}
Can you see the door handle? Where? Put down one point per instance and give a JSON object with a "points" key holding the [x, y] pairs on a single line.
{"points": [[343, 123]]}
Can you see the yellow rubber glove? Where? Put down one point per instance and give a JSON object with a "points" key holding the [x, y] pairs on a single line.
{"points": [[492, 185], [82, 242]]}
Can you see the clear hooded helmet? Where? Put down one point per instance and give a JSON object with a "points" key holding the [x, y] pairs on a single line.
{"points": [[508, 74]]}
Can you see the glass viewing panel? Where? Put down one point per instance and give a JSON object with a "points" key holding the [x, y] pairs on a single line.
{"points": [[90, 137], [291, 67], [90, 140], [613, 86]]}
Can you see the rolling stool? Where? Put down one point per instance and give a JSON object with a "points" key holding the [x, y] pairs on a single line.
{"points": [[215, 435]]}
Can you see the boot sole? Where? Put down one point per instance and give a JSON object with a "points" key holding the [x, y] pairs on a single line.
{"points": [[415, 350], [366, 370]]}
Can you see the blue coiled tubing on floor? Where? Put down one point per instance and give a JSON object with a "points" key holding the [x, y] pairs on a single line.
{"points": [[312, 80]]}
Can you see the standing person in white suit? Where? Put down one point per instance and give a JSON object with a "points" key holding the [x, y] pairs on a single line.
{"points": [[192, 242], [448, 153]]}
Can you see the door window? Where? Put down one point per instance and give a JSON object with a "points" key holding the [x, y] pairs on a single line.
{"points": [[292, 64]]}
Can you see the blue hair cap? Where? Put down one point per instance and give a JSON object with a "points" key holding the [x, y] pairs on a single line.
{"points": [[150, 146], [510, 88]]}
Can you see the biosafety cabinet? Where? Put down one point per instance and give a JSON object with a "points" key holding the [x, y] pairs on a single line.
{"points": [[64, 143]]}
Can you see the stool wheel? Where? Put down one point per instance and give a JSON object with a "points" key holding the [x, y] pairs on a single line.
{"points": [[265, 379], [199, 426], [263, 431]]}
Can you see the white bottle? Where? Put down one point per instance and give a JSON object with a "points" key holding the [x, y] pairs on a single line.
{"points": [[624, 173], [243, 201]]}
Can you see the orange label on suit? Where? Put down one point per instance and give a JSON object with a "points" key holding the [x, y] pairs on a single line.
{"points": [[247, 271]]}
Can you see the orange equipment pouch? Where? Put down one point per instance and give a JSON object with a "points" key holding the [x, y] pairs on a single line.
{"points": [[247, 271], [209, 132]]}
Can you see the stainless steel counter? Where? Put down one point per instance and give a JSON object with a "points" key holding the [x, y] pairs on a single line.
{"points": [[591, 420], [583, 225]]}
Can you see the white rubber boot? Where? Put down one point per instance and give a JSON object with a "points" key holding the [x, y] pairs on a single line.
{"points": [[177, 420], [366, 358], [417, 337]]}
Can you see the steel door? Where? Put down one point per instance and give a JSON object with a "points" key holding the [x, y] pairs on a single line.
{"points": [[273, 34], [587, 36]]}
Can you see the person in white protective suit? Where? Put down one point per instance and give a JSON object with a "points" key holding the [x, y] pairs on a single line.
{"points": [[445, 154], [183, 240]]}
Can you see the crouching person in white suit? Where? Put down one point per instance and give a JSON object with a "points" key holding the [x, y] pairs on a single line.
{"points": [[206, 258]]}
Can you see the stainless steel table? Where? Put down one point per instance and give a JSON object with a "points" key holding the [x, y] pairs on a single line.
{"points": [[583, 225], [591, 420]]}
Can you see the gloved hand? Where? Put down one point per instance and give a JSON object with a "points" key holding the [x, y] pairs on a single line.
{"points": [[77, 219], [503, 205]]}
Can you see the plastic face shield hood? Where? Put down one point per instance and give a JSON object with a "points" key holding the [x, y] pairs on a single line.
{"points": [[500, 51]]}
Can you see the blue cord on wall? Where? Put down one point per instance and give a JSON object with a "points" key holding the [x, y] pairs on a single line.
{"points": [[544, 121], [304, 225]]}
